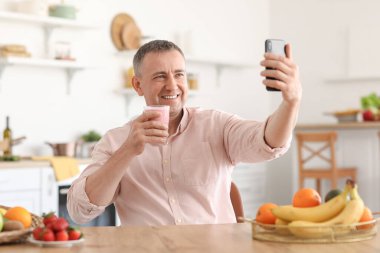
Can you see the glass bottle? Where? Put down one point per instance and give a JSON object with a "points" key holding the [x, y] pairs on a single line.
{"points": [[7, 135]]}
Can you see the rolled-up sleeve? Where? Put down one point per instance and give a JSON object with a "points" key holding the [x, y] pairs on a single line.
{"points": [[245, 142], [80, 209]]}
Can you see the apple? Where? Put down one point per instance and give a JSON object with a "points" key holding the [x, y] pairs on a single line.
{"points": [[368, 115]]}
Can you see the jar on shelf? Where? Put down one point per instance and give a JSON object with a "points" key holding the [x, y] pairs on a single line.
{"points": [[192, 80], [128, 75]]}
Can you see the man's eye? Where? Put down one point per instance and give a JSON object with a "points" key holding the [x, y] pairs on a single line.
{"points": [[159, 77], [180, 74]]}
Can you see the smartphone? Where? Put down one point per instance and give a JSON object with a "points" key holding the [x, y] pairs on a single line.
{"points": [[277, 47]]}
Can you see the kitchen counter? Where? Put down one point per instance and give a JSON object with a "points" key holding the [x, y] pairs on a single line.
{"points": [[34, 164], [189, 238], [346, 125]]}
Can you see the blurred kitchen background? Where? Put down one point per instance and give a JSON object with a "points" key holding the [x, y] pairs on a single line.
{"points": [[335, 44]]}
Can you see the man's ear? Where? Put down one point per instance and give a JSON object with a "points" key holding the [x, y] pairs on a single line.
{"points": [[137, 85]]}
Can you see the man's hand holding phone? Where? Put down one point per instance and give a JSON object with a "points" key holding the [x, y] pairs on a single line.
{"points": [[281, 72]]}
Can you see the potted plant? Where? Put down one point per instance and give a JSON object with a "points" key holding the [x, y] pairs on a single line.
{"points": [[88, 142]]}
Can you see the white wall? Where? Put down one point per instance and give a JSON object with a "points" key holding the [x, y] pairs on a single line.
{"points": [[327, 44], [36, 98]]}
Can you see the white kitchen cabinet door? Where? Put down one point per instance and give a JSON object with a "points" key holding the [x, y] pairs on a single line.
{"points": [[49, 191], [21, 187], [251, 181], [17, 179], [27, 199]]}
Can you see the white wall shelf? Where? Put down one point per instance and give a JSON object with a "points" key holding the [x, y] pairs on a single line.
{"points": [[48, 24], [71, 67], [353, 79], [51, 22], [219, 64]]}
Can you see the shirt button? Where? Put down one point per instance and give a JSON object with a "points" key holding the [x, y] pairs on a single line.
{"points": [[179, 220], [167, 179], [165, 161], [172, 200]]}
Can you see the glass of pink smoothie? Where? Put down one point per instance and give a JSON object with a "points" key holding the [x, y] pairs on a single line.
{"points": [[163, 110]]}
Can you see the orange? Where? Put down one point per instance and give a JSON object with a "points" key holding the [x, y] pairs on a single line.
{"points": [[366, 216], [19, 214], [264, 214], [306, 197]]}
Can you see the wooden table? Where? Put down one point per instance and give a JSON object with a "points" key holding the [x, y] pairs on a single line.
{"points": [[234, 238]]}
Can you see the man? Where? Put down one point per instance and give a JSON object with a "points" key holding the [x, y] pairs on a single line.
{"points": [[180, 175]]}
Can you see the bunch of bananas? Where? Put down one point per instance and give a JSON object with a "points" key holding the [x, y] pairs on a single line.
{"points": [[319, 221]]}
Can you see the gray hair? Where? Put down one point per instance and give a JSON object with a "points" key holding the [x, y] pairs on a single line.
{"points": [[152, 46]]}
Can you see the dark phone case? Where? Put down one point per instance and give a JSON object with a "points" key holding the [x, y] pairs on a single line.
{"points": [[275, 47]]}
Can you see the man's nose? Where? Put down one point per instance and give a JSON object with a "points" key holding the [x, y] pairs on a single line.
{"points": [[171, 83]]}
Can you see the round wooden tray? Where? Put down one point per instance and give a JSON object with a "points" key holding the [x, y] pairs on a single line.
{"points": [[334, 234], [19, 236]]}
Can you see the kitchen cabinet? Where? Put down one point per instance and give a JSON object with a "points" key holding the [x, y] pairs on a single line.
{"points": [[251, 181], [21, 187], [48, 24]]}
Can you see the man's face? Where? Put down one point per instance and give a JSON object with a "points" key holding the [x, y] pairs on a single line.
{"points": [[162, 80]]}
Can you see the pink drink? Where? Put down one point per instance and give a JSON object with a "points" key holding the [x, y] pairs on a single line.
{"points": [[163, 109]]}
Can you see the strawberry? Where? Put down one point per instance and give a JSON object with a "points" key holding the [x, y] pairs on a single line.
{"points": [[74, 233], [61, 236], [37, 233], [49, 218], [47, 235], [60, 224]]}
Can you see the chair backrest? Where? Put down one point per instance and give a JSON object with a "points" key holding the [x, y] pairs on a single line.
{"points": [[315, 145], [236, 201]]}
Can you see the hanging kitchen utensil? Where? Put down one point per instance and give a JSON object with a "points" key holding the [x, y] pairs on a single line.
{"points": [[125, 33]]}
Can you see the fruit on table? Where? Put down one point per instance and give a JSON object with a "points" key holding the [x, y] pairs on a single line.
{"points": [[75, 233], [366, 216], [351, 213], [19, 213], [56, 229], [12, 225], [1, 222], [306, 197], [264, 214], [49, 219], [61, 235], [47, 235], [281, 226], [332, 194], [3, 211], [319, 213], [60, 224], [37, 233]]}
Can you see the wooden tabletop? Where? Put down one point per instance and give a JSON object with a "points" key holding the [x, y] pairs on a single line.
{"points": [[189, 238]]}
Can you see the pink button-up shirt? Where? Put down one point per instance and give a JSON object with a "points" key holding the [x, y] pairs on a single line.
{"points": [[186, 181]]}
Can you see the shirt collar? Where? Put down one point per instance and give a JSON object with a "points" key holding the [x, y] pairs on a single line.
{"points": [[184, 121]]}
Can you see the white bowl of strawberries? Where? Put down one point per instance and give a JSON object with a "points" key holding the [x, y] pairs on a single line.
{"points": [[56, 232]]}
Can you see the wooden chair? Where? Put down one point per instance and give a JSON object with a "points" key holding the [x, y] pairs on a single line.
{"points": [[318, 144], [237, 203]]}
